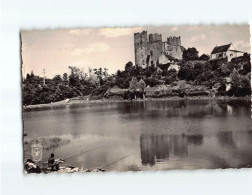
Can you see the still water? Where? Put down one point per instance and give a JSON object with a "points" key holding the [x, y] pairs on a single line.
{"points": [[152, 135]]}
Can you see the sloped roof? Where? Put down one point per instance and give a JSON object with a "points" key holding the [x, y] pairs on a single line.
{"points": [[222, 48], [237, 51], [170, 57], [163, 59]]}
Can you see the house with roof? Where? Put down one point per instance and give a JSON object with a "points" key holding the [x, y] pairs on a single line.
{"points": [[225, 52]]}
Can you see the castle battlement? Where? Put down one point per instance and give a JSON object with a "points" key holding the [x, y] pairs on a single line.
{"points": [[155, 37], [174, 41]]}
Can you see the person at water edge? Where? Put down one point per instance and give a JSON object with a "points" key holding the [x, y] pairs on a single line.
{"points": [[52, 164]]}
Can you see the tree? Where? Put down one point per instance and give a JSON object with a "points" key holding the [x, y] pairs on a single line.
{"points": [[32, 74], [224, 70], [65, 77], [216, 64], [28, 76], [246, 56], [153, 68], [245, 86], [204, 57], [83, 75], [197, 70], [190, 54], [105, 72], [148, 73], [74, 78], [152, 82], [134, 85], [99, 74], [119, 73], [142, 86], [186, 72], [235, 83], [136, 71], [57, 79], [89, 71], [246, 68], [129, 66], [240, 85], [171, 76]]}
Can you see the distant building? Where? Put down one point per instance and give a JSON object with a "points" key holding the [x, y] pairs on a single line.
{"points": [[148, 50], [225, 51], [174, 67]]}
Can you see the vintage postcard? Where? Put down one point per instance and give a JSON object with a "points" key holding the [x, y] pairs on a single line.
{"points": [[136, 99]]}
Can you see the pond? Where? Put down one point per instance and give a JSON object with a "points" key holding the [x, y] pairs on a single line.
{"points": [[150, 135]]}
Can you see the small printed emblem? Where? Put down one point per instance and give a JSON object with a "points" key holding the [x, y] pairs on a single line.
{"points": [[36, 152]]}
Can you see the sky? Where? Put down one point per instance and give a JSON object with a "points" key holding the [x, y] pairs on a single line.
{"points": [[112, 48]]}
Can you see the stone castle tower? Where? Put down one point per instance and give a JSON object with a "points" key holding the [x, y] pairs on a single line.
{"points": [[140, 43], [147, 52]]}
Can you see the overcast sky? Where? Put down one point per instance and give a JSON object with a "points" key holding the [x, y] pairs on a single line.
{"points": [[55, 50]]}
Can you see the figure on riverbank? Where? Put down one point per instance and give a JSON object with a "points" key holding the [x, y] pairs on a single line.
{"points": [[52, 163]]}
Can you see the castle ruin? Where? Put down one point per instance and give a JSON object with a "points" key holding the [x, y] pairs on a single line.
{"points": [[147, 52]]}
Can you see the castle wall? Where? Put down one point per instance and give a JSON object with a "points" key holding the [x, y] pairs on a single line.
{"points": [[176, 52], [167, 47], [154, 50]]}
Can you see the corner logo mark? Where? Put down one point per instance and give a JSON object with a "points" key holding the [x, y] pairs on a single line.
{"points": [[36, 152]]}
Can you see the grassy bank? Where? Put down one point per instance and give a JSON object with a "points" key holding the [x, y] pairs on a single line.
{"points": [[84, 101]]}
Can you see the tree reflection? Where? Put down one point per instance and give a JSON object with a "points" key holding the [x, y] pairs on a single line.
{"points": [[225, 138], [156, 148], [147, 149], [185, 108], [194, 139]]}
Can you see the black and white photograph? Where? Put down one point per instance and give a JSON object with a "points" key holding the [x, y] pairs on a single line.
{"points": [[144, 98], [125, 97]]}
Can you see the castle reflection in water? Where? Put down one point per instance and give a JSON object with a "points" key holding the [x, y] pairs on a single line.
{"points": [[160, 147]]}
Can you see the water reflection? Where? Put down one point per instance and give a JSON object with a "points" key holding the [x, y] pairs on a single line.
{"points": [[194, 139], [158, 148], [171, 134], [185, 108], [225, 139]]}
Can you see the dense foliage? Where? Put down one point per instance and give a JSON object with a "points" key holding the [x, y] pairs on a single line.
{"points": [[60, 88]]}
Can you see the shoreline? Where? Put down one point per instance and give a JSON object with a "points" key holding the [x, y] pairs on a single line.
{"points": [[83, 101]]}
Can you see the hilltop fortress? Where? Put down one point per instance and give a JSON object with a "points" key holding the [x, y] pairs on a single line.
{"points": [[148, 52]]}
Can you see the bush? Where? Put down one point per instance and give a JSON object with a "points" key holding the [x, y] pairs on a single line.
{"points": [[198, 93], [222, 87], [128, 95], [151, 82], [181, 94], [221, 93]]}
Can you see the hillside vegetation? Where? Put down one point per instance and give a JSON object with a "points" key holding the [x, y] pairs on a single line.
{"points": [[197, 76]]}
